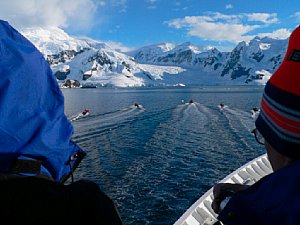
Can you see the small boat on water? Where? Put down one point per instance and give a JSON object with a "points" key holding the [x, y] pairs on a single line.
{"points": [[84, 113], [138, 106], [201, 213], [254, 112], [222, 106]]}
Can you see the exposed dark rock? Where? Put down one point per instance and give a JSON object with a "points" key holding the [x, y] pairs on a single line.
{"points": [[86, 76], [276, 61], [233, 60], [67, 83], [258, 56], [62, 56], [71, 83], [60, 75], [76, 83], [239, 71], [217, 65]]}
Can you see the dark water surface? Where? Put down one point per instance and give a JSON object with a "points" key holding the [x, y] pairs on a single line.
{"points": [[155, 162]]}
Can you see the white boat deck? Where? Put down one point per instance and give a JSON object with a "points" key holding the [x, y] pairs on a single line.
{"points": [[201, 213]]}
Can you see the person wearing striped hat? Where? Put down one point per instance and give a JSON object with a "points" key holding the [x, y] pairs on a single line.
{"points": [[275, 199]]}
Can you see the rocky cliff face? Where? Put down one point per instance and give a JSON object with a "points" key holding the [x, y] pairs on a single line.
{"points": [[249, 59]]}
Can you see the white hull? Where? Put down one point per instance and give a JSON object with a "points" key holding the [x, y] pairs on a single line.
{"points": [[201, 213]]}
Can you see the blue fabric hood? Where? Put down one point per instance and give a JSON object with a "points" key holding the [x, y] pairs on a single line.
{"points": [[32, 120]]}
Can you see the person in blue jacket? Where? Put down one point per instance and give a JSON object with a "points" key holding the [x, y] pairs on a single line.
{"points": [[275, 199], [36, 152]]}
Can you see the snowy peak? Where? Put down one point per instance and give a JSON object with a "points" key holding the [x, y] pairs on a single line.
{"points": [[150, 53], [166, 46], [260, 54], [53, 40], [94, 43], [187, 46], [185, 54]]}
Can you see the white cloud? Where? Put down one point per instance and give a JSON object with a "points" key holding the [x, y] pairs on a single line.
{"points": [[152, 1], [216, 26], [120, 3], [118, 46], [277, 34], [177, 4], [221, 32], [229, 6], [114, 29], [297, 15], [152, 4], [61, 13], [263, 17]]}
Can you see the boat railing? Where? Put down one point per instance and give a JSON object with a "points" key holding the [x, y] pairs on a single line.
{"points": [[201, 213]]}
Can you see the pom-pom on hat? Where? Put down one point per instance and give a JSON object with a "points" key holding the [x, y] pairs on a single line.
{"points": [[279, 119]]}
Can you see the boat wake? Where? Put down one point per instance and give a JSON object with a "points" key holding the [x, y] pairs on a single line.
{"points": [[238, 117], [93, 125], [241, 123], [176, 144], [78, 117]]}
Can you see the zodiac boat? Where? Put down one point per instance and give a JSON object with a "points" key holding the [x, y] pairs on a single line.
{"points": [[201, 213]]}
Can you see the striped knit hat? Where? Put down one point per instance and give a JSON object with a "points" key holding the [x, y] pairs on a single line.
{"points": [[279, 120]]}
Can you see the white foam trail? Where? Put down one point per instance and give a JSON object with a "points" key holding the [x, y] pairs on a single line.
{"points": [[239, 121], [110, 119], [245, 118]]}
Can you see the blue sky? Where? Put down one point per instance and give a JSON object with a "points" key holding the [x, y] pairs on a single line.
{"points": [[135, 23]]}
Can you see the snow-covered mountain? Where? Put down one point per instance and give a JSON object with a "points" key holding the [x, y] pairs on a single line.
{"points": [[185, 54], [52, 41], [256, 60], [93, 63], [253, 61]]}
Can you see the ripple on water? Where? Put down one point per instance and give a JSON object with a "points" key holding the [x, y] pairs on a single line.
{"points": [[155, 163]]}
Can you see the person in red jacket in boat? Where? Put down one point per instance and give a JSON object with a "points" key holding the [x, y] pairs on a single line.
{"points": [[85, 112]]}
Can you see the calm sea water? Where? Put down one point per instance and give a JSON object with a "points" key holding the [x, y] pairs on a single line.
{"points": [[155, 162]]}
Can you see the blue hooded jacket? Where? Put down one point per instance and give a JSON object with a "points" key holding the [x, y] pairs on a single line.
{"points": [[33, 126]]}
